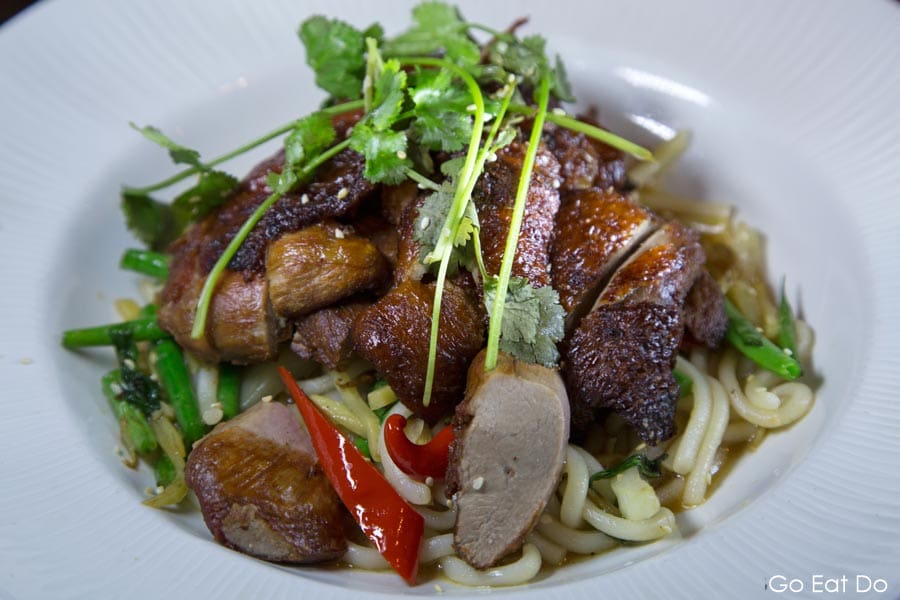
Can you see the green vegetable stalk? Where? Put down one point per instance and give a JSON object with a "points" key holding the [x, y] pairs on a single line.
{"points": [[142, 330], [744, 336], [515, 224], [134, 423], [146, 262], [176, 381]]}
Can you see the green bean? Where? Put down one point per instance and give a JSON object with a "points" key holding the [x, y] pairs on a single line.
{"points": [[744, 336], [684, 382], [134, 424], [146, 262], [164, 470], [176, 382], [228, 392], [141, 329], [786, 333]]}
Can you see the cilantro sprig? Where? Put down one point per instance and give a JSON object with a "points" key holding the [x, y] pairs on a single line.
{"points": [[431, 88]]}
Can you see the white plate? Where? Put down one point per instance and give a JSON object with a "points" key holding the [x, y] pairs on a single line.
{"points": [[795, 109]]}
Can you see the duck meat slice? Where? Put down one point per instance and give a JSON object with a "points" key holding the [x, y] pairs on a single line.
{"points": [[325, 335], [262, 490], [337, 190], [585, 162], [320, 265], [595, 231], [494, 197], [705, 320], [511, 430], [621, 355], [393, 334]]}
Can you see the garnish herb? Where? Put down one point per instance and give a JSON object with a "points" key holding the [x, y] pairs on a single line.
{"points": [[414, 103], [744, 336], [649, 468], [515, 223]]}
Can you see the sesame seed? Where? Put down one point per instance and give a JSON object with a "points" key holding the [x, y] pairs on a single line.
{"points": [[267, 398], [401, 154], [160, 489], [558, 111], [556, 184], [429, 481], [304, 199], [471, 108], [511, 78], [438, 589], [128, 363], [788, 351], [424, 222], [492, 157], [338, 233], [477, 483], [115, 388], [343, 193]]}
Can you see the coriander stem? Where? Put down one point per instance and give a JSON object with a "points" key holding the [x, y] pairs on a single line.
{"points": [[609, 138], [423, 181], [435, 325], [515, 224], [215, 273], [329, 111], [468, 175], [445, 240]]}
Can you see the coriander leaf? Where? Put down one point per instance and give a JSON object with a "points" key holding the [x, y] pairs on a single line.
{"points": [[385, 153], [527, 58], [283, 182], [180, 154], [524, 57], [149, 220], [533, 320], [436, 26], [311, 136], [335, 51], [389, 96], [432, 215], [211, 190], [441, 120], [560, 84]]}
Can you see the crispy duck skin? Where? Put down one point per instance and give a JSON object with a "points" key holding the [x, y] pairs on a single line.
{"points": [[595, 230], [621, 355], [328, 261], [705, 320], [324, 336], [337, 191], [393, 333], [494, 196], [585, 162], [262, 491]]}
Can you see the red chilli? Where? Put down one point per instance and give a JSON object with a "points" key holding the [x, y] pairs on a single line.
{"points": [[392, 525], [419, 461]]}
